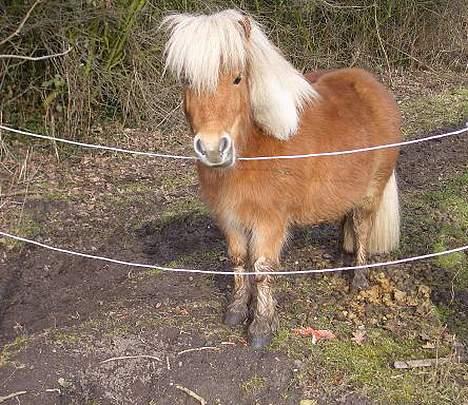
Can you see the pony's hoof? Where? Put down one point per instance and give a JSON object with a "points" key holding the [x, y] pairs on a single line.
{"points": [[234, 317], [260, 341], [359, 282], [261, 333]]}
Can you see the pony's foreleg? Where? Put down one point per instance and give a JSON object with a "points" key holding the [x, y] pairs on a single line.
{"points": [[267, 242], [238, 310]]}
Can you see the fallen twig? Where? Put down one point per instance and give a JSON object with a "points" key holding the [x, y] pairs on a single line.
{"points": [[141, 356], [57, 390], [13, 395], [194, 395], [427, 362], [458, 356], [197, 349], [420, 363]]}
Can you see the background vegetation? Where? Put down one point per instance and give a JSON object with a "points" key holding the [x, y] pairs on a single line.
{"points": [[114, 70]]}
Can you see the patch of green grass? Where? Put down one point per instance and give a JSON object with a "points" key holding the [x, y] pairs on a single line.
{"points": [[152, 272], [179, 180], [426, 113], [452, 202], [11, 349], [368, 369], [438, 222], [253, 384], [66, 337], [27, 227], [183, 206], [209, 257], [284, 341], [440, 219], [449, 314]]}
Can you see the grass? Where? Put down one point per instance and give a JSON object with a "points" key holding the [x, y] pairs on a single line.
{"points": [[10, 350], [444, 214], [253, 384], [368, 368], [27, 227], [183, 206], [427, 112]]}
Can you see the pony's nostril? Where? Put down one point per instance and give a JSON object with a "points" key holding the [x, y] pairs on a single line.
{"points": [[224, 144], [199, 147]]}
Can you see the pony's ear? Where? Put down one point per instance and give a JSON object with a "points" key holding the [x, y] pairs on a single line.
{"points": [[246, 26]]}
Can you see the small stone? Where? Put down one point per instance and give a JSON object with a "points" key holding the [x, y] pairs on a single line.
{"points": [[61, 381]]}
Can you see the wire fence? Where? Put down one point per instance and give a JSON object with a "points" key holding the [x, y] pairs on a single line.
{"points": [[184, 270], [169, 156], [231, 273]]}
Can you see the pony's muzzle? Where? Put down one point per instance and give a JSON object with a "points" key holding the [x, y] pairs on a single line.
{"points": [[215, 152]]}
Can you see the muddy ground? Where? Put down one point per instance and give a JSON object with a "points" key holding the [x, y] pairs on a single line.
{"points": [[62, 316]]}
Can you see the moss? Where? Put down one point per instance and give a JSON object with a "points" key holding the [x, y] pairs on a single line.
{"points": [[253, 384], [65, 337], [181, 207], [442, 218], [368, 369], [429, 112], [181, 180], [152, 272], [11, 349], [26, 228]]}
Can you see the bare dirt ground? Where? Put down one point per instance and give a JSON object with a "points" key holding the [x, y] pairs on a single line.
{"points": [[61, 317]]}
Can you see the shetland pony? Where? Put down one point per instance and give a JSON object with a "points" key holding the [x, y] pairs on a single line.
{"points": [[242, 98]]}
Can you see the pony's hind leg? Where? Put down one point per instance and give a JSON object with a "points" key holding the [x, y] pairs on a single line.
{"points": [[267, 241], [238, 309], [362, 225], [347, 234], [376, 225]]}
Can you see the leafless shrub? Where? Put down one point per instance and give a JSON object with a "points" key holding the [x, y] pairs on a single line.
{"points": [[114, 70]]}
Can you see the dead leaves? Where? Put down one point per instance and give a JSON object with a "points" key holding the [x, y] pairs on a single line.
{"points": [[317, 334], [359, 335]]}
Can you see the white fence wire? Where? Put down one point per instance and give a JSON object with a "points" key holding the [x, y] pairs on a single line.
{"points": [[184, 270], [169, 156], [231, 273]]}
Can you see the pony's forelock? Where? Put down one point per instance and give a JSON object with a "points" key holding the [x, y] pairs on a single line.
{"points": [[200, 47]]}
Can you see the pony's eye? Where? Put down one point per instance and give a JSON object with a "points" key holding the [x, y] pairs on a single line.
{"points": [[237, 79]]}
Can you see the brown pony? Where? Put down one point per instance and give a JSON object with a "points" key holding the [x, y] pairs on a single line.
{"points": [[244, 99]]}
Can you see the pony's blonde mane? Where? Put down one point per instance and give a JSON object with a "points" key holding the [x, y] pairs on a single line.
{"points": [[200, 47]]}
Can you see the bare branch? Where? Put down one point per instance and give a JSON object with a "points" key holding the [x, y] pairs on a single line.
{"points": [[13, 395], [23, 21], [197, 349], [194, 395], [141, 356], [384, 51], [35, 58]]}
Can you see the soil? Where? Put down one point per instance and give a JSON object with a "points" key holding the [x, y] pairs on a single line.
{"points": [[74, 313]]}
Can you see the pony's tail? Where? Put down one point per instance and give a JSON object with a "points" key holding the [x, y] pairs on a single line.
{"points": [[385, 234]]}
